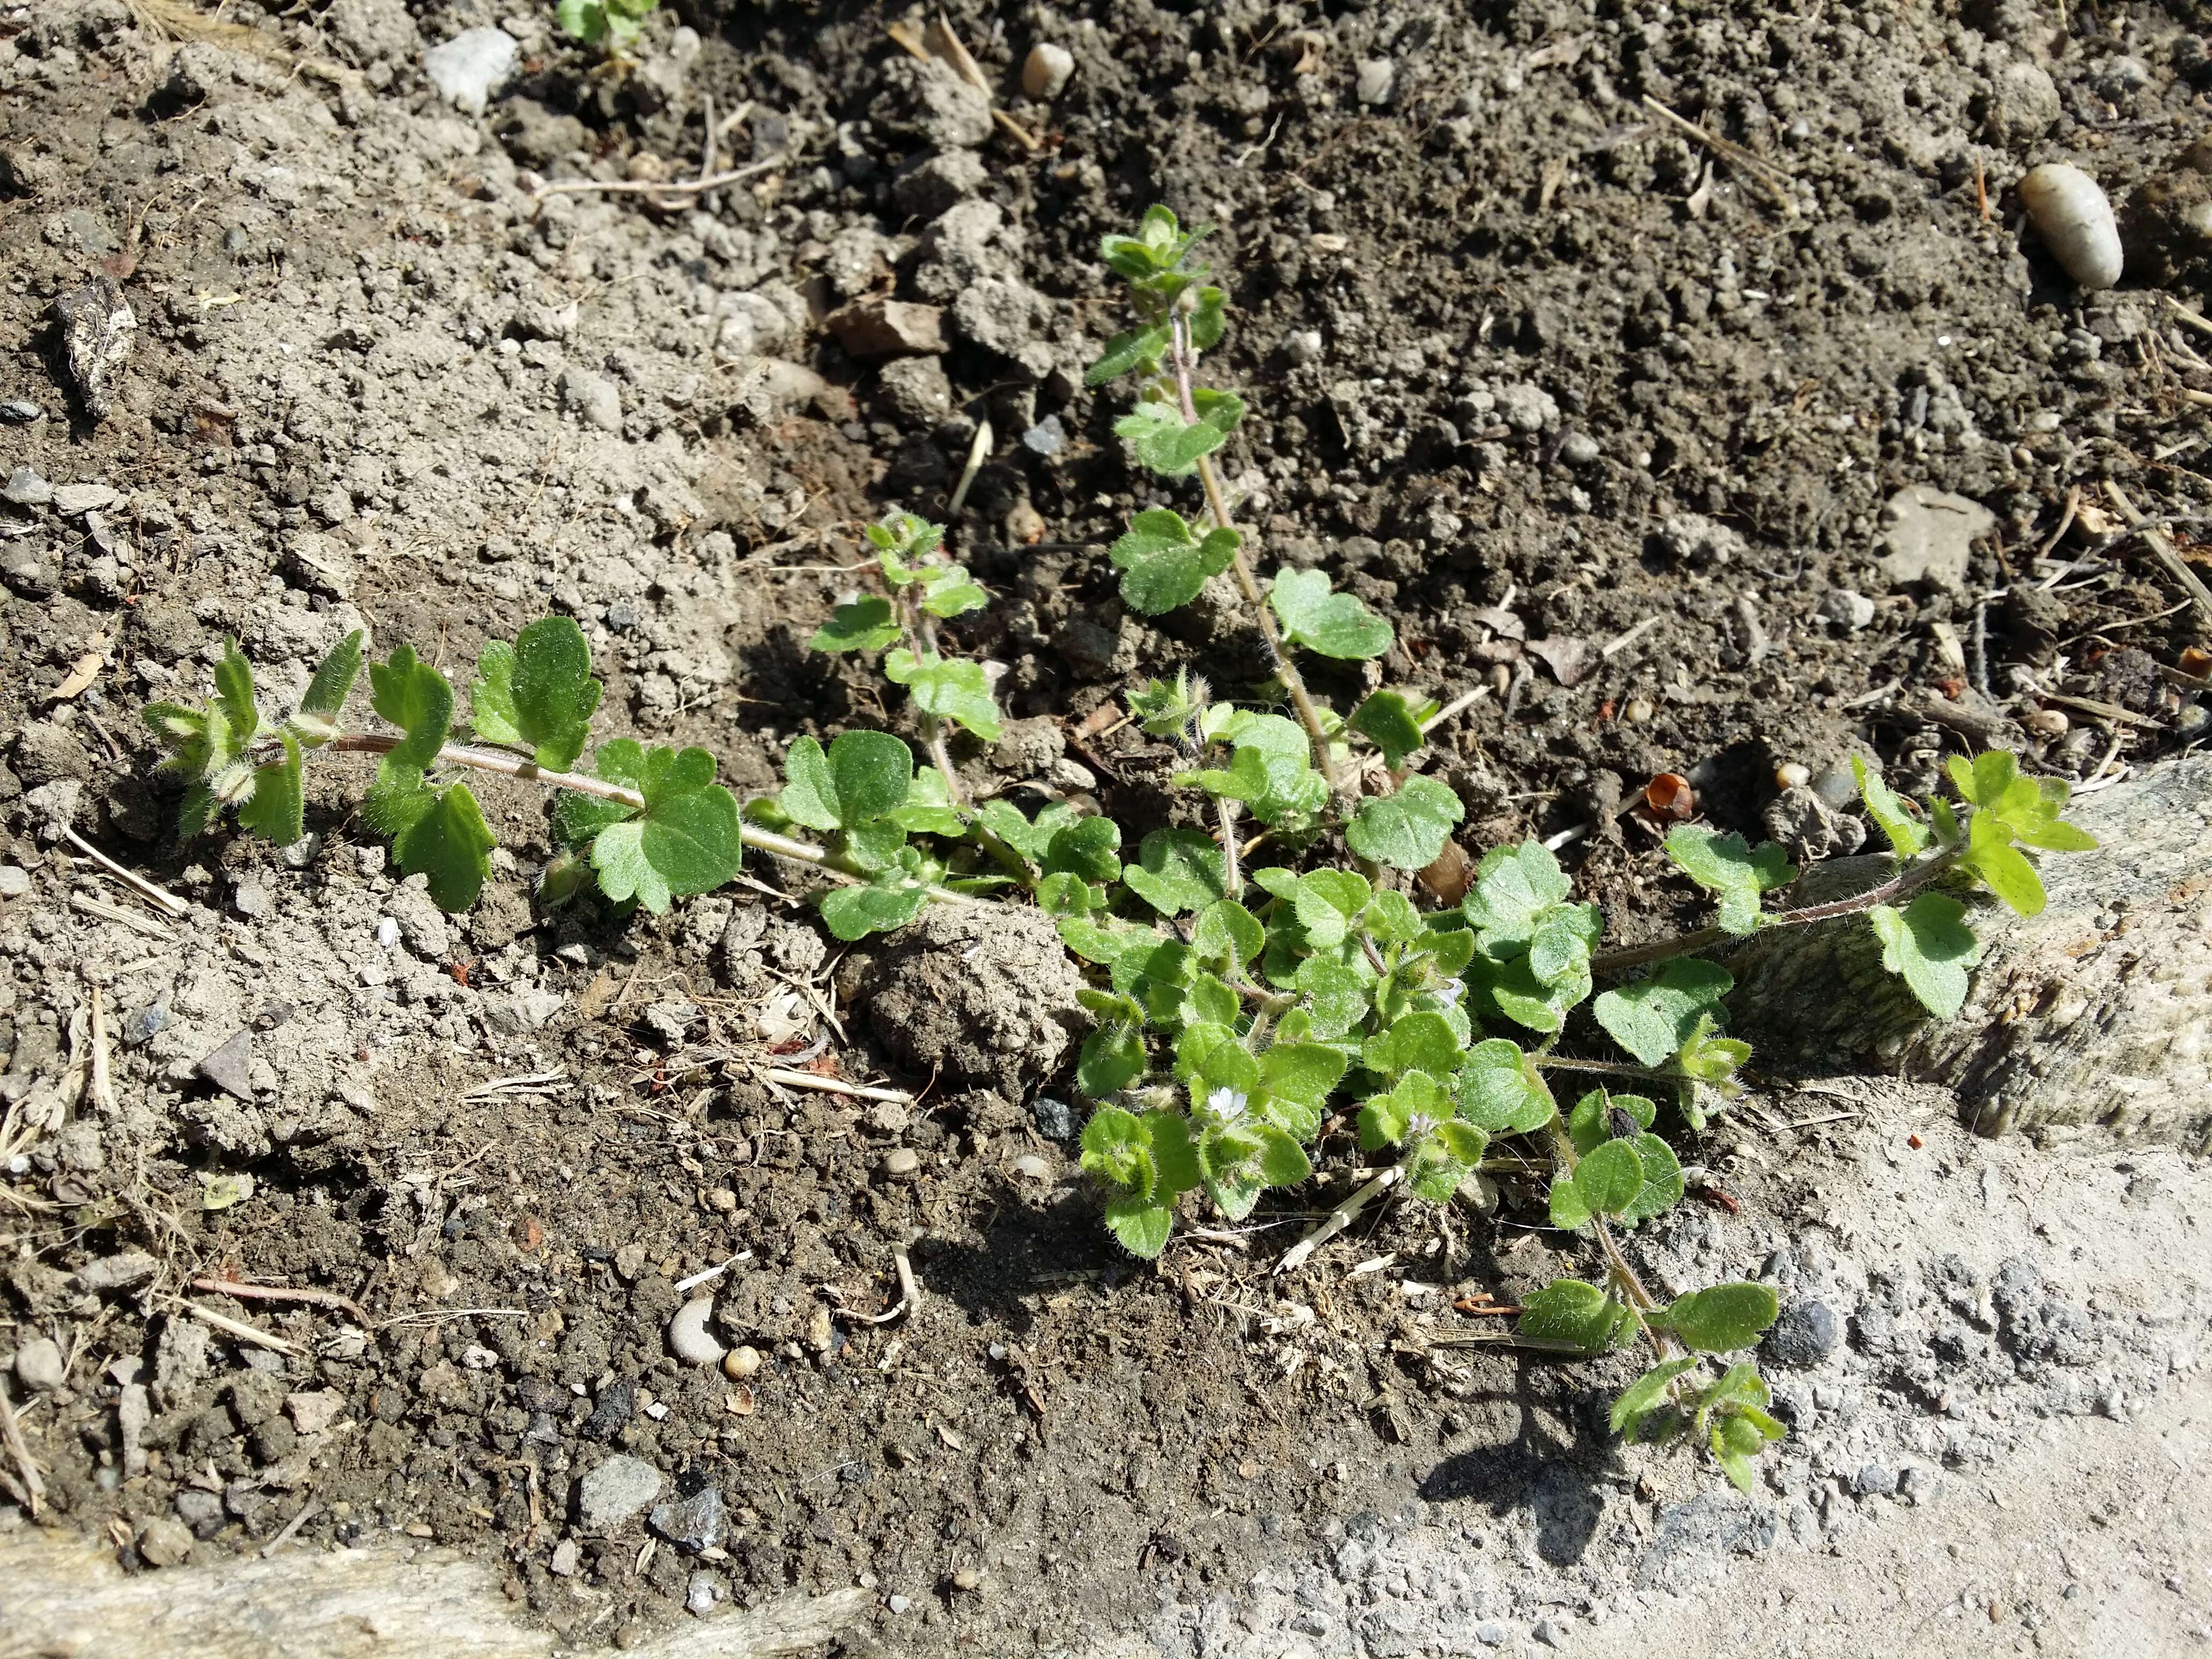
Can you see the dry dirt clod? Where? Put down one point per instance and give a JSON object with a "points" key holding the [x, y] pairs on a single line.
{"points": [[988, 995], [1046, 70], [98, 330]]}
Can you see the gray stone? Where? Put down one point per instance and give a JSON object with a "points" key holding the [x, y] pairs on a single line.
{"points": [[563, 1564], [25, 488], [1846, 609], [164, 1541], [1527, 408], [472, 65], [1693, 539], [1491, 1634], [1874, 1481], [1929, 535], [250, 899], [593, 396], [75, 501], [122, 1271], [1805, 1334], [692, 1523], [230, 1067], [15, 881], [1056, 1119], [21, 412], [617, 1490], [200, 1511], [1374, 79], [1047, 438], [38, 1365], [1579, 449], [916, 390]]}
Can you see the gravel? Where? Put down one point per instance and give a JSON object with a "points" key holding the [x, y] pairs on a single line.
{"points": [[615, 1490]]}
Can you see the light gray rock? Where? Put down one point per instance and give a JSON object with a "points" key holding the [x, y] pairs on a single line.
{"points": [[38, 1365], [615, 1490], [1375, 78], [471, 66], [1927, 535], [593, 396]]}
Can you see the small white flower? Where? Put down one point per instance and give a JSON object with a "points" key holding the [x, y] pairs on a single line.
{"points": [[1226, 1103], [1449, 992]]}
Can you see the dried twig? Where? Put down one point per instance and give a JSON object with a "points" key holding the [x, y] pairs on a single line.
{"points": [[34, 1486], [116, 913], [2162, 550], [244, 1293], [307, 1511], [830, 1086], [1337, 1220], [657, 187], [240, 1328], [1761, 171]]}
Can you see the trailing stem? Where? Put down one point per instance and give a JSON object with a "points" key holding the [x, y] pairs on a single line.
{"points": [[1184, 358]]}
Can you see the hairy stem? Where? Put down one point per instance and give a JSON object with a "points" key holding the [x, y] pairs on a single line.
{"points": [[920, 639], [1908, 880], [582, 783], [1217, 501], [1607, 1068], [1637, 1300]]}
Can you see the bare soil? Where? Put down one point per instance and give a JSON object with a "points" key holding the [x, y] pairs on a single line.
{"points": [[1599, 418]]}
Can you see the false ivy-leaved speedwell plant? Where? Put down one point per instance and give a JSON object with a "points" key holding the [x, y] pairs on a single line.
{"points": [[1258, 985]]}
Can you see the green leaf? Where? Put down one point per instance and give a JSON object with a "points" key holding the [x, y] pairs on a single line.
{"points": [[1501, 1091], [1226, 932], [947, 592], [1390, 918], [315, 722], [1165, 445], [688, 839], [1177, 869], [1589, 1124], [903, 541], [1514, 888], [1985, 780], [1406, 830], [1415, 1042], [2001, 867], [538, 693], [1907, 833], [1326, 903], [1653, 1018], [1393, 724], [1142, 1226], [1931, 946], [866, 624], [1141, 348], [1113, 1057], [437, 833], [953, 690], [893, 899], [415, 698], [1569, 1208], [1415, 1107], [1339, 995], [1732, 872], [1569, 1310], [1117, 1148], [234, 694], [1722, 1318], [1086, 849], [1163, 565], [1302, 1073], [1645, 1394], [864, 775], [1662, 1180], [1559, 950], [1282, 1162], [276, 806], [1609, 1177], [1334, 624]]}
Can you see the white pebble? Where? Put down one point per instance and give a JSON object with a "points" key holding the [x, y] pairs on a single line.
{"points": [[1034, 1167], [387, 933], [688, 1337], [2073, 216], [1046, 70]]}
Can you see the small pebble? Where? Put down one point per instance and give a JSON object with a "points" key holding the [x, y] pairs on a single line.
{"points": [[387, 933], [896, 1603], [1375, 76], [2046, 722], [967, 1578], [563, 1564], [1791, 776], [250, 900], [25, 488], [1579, 449], [902, 1164], [689, 1339], [741, 1362], [1034, 1167], [38, 1365], [21, 412], [1047, 70], [15, 881], [1639, 711], [1846, 609]]}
